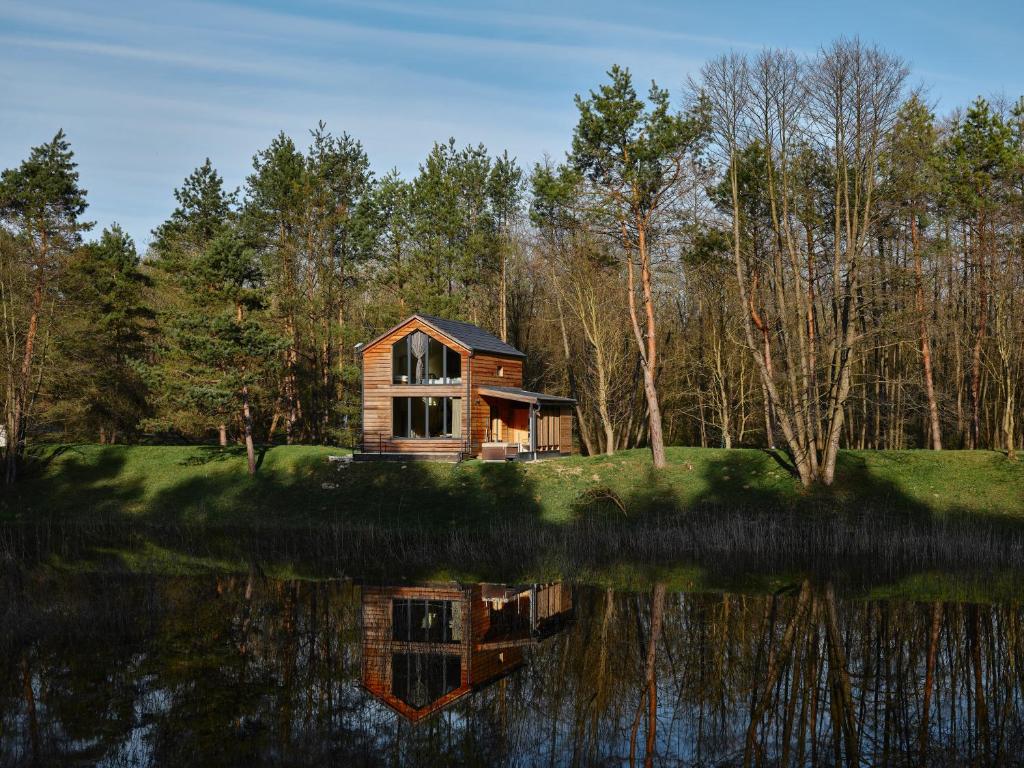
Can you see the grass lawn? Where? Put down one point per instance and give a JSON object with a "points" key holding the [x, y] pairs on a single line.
{"points": [[296, 485]]}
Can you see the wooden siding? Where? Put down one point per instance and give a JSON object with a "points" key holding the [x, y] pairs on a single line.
{"points": [[548, 428], [379, 389], [565, 430], [378, 645], [478, 370], [486, 665], [553, 600], [484, 373]]}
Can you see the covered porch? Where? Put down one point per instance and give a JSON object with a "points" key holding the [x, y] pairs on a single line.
{"points": [[523, 425]]}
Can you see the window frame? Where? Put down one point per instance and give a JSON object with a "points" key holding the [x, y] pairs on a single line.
{"points": [[446, 407], [444, 380]]}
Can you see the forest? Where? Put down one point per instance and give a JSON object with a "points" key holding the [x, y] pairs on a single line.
{"points": [[788, 251]]}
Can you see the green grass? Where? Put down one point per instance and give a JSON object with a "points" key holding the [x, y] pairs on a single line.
{"points": [[296, 485]]}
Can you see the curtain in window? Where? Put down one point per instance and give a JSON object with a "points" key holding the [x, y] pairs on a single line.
{"points": [[419, 351], [456, 409]]}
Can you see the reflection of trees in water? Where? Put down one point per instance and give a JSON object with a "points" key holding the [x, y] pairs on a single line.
{"points": [[805, 679], [244, 670]]}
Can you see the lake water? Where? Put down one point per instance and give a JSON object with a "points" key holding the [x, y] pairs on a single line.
{"points": [[129, 670]]}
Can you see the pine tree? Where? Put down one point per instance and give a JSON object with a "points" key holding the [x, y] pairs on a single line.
{"points": [[205, 210], [40, 208], [220, 332], [636, 157], [101, 384]]}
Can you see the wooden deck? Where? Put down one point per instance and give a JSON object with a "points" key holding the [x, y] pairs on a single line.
{"points": [[451, 458]]}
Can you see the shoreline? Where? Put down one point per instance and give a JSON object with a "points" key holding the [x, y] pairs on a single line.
{"points": [[298, 485]]}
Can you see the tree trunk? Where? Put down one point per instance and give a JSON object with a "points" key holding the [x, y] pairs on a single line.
{"points": [[926, 352], [980, 322], [503, 309], [648, 350], [657, 615], [291, 387], [581, 424], [929, 678], [223, 430], [15, 438], [250, 451], [30, 709]]}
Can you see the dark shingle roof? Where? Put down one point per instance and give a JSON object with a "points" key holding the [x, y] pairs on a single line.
{"points": [[471, 336]]}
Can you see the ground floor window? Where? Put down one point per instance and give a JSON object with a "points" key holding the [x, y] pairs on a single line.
{"points": [[421, 417], [426, 621]]}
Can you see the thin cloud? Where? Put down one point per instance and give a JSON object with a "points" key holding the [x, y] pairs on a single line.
{"points": [[135, 53], [547, 23]]}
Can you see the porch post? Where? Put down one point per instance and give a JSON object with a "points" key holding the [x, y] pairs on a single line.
{"points": [[534, 407]]}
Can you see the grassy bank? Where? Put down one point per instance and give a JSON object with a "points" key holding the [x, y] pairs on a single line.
{"points": [[713, 517], [296, 485]]}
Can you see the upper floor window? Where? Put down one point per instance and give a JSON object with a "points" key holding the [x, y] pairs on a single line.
{"points": [[420, 359]]}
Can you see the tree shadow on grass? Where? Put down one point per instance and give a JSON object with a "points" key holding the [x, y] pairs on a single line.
{"points": [[304, 515], [88, 480]]}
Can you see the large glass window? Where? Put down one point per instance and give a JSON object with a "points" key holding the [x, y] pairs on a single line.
{"points": [[426, 417], [453, 365], [435, 362], [426, 621], [400, 416], [418, 424], [421, 359], [400, 361], [420, 679]]}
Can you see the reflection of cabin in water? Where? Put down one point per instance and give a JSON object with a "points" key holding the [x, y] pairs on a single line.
{"points": [[426, 647], [444, 389]]}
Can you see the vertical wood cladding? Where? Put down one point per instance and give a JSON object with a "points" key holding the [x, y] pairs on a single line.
{"points": [[379, 388], [485, 651], [485, 374], [565, 430], [477, 370]]}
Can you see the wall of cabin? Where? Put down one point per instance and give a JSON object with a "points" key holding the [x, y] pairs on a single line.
{"points": [[485, 373], [565, 430], [478, 370], [378, 645], [379, 389]]}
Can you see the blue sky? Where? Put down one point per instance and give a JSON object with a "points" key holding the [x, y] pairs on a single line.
{"points": [[147, 90]]}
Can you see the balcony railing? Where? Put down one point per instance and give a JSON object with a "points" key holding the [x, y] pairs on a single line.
{"points": [[427, 381]]}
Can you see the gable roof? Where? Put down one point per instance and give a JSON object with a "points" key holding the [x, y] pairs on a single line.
{"points": [[472, 337]]}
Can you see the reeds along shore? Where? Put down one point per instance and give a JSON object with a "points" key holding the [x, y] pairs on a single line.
{"points": [[713, 544]]}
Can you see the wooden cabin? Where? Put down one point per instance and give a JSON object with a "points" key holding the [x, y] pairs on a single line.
{"points": [[444, 389], [426, 647]]}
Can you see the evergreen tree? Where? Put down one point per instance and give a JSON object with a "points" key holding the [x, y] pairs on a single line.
{"points": [[40, 208], [100, 386], [310, 218], [637, 158], [220, 332], [204, 212], [980, 158]]}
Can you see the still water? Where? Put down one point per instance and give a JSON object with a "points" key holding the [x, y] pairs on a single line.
{"points": [[131, 670]]}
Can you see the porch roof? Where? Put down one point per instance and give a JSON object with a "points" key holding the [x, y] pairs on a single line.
{"points": [[524, 396]]}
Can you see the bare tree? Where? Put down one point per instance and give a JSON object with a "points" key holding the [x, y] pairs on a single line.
{"points": [[782, 113]]}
